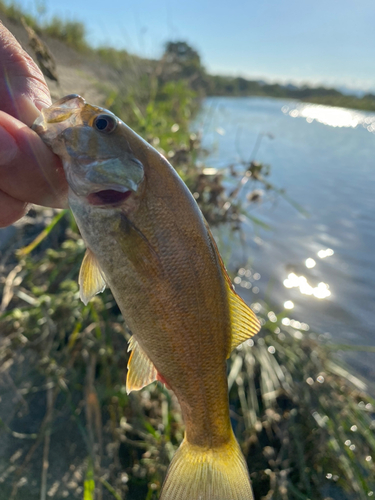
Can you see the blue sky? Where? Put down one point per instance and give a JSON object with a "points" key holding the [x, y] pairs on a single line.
{"points": [[316, 41]]}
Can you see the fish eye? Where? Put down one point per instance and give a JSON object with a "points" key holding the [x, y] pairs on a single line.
{"points": [[105, 123]]}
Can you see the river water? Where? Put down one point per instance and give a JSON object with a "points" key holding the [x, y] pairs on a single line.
{"points": [[320, 266]]}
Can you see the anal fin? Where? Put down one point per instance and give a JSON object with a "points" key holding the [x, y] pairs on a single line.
{"points": [[141, 370]]}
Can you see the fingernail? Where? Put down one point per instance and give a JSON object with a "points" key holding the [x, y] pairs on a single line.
{"points": [[28, 112], [8, 147], [41, 104]]}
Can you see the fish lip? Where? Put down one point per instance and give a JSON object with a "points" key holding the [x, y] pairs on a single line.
{"points": [[85, 191], [105, 198], [39, 127], [59, 112], [111, 187]]}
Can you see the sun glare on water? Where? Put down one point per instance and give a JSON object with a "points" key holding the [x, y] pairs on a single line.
{"points": [[331, 116], [319, 291]]}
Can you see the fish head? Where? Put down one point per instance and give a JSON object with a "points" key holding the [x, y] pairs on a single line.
{"points": [[101, 169]]}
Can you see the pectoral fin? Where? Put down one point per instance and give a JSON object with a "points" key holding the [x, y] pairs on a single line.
{"points": [[137, 247], [141, 370], [244, 322], [91, 278]]}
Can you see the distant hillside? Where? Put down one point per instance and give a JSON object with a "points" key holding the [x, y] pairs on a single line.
{"points": [[97, 73], [230, 86]]}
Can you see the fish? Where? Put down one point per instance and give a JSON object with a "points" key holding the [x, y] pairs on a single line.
{"points": [[148, 241]]}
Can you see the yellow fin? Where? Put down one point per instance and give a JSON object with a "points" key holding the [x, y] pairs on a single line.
{"points": [[244, 322], [197, 473], [91, 278], [141, 370]]}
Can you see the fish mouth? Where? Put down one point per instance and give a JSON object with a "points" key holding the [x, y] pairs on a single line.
{"points": [[108, 197], [58, 114]]}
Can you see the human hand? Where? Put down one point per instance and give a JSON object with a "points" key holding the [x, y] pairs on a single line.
{"points": [[29, 171]]}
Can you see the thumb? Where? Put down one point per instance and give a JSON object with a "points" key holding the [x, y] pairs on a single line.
{"points": [[23, 90]]}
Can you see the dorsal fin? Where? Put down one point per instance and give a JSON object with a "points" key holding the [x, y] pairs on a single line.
{"points": [[141, 370], [91, 278], [244, 322]]}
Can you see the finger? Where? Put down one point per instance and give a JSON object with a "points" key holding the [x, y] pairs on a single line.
{"points": [[11, 209], [23, 90], [29, 171]]}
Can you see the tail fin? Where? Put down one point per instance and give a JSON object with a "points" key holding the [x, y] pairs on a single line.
{"points": [[198, 473]]}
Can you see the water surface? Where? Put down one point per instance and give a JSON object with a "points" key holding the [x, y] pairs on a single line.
{"points": [[322, 266]]}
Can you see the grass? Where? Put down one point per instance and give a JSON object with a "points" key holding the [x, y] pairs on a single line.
{"points": [[68, 428], [312, 417], [305, 423], [73, 33]]}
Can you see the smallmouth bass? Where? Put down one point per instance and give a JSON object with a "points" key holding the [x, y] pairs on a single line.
{"points": [[148, 241]]}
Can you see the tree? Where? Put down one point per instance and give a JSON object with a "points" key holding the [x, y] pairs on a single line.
{"points": [[181, 61]]}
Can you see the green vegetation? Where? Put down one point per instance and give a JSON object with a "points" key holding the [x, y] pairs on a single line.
{"points": [[67, 427], [180, 61], [72, 33], [230, 86], [305, 423], [365, 103]]}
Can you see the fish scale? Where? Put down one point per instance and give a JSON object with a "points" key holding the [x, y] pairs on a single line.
{"points": [[148, 241]]}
